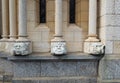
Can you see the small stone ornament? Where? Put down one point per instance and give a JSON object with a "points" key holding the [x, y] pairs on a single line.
{"points": [[97, 49], [58, 48], [21, 48]]}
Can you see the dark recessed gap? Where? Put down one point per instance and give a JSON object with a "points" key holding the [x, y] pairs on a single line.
{"points": [[42, 11], [72, 11]]}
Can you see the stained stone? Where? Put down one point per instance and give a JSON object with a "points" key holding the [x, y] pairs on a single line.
{"points": [[6, 66], [58, 69], [27, 69], [111, 69], [87, 68]]}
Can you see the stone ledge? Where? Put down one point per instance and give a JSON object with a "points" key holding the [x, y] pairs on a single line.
{"points": [[56, 80], [53, 78], [109, 81], [49, 57]]}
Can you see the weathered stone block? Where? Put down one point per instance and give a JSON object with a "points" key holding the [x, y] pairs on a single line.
{"points": [[117, 6], [27, 69], [110, 20], [6, 66], [58, 69], [110, 69], [87, 68], [107, 7], [109, 47]]}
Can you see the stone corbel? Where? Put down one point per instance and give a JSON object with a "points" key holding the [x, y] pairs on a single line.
{"points": [[94, 48], [58, 48], [22, 48]]}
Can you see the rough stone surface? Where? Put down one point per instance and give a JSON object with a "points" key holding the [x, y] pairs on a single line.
{"points": [[55, 68], [117, 6], [27, 69], [107, 7], [110, 69], [58, 69], [87, 68], [6, 66]]}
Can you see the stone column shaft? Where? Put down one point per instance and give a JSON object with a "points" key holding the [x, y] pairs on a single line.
{"points": [[5, 19], [12, 19], [58, 18], [22, 19], [92, 21]]}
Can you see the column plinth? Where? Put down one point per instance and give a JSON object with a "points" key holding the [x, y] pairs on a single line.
{"points": [[58, 44]]}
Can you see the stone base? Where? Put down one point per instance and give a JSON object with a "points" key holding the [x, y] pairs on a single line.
{"points": [[55, 71], [95, 48], [58, 47], [22, 48], [9, 47], [2, 46]]}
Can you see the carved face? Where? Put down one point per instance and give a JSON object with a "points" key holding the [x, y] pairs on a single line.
{"points": [[97, 48], [58, 47], [21, 48]]}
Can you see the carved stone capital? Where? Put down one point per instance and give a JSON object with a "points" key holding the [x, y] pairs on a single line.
{"points": [[22, 48], [94, 48], [58, 47]]}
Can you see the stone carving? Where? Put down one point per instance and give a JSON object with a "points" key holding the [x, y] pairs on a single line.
{"points": [[21, 48], [94, 48], [58, 48], [97, 49]]}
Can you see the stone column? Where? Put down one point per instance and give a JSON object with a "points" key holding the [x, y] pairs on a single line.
{"points": [[12, 19], [5, 19], [92, 34], [12, 25], [58, 45], [23, 44], [92, 44], [22, 20]]}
